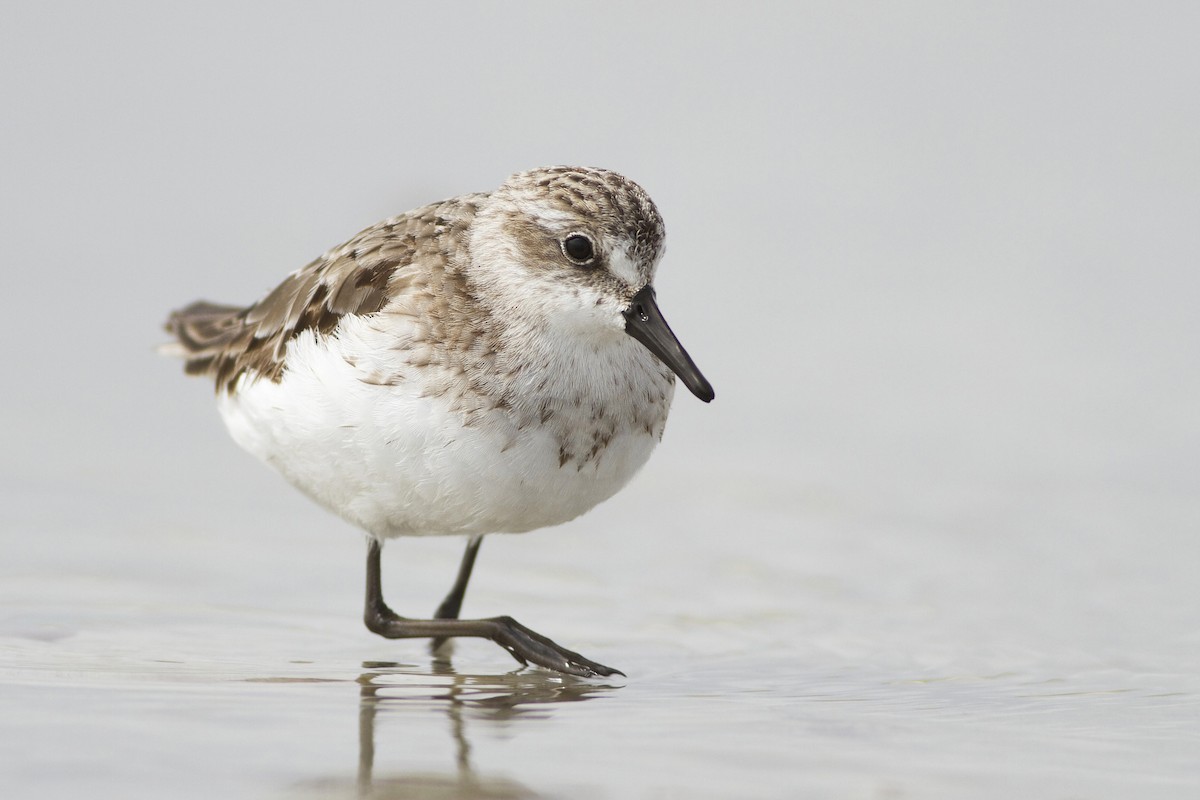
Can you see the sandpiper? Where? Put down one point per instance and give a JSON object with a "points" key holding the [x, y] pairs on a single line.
{"points": [[495, 362]]}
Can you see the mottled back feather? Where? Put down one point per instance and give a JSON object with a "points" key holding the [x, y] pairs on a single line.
{"points": [[359, 277]]}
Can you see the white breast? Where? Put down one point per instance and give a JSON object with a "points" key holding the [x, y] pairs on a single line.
{"points": [[398, 460]]}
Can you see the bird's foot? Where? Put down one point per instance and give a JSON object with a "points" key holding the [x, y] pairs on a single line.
{"points": [[529, 646]]}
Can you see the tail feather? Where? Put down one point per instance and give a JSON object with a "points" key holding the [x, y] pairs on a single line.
{"points": [[204, 325], [204, 333]]}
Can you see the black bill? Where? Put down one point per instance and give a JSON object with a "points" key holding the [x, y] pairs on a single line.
{"points": [[644, 322]]}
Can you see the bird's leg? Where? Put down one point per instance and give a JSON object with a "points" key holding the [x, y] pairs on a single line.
{"points": [[523, 644], [453, 603]]}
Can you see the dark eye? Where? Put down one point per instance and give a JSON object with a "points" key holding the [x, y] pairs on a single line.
{"points": [[578, 248]]}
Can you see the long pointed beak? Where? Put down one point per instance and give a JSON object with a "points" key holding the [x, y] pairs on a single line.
{"points": [[644, 322]]}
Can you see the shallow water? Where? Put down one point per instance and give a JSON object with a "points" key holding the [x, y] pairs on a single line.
{"points": [[850, 656]]}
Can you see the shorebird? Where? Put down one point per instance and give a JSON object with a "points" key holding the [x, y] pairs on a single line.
{"points": [[496, 362]]}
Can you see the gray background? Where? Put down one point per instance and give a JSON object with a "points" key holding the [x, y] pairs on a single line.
{"points": [[939, 261]]}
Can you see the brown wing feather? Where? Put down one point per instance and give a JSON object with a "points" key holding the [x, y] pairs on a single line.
{"points": [[355, 278]]}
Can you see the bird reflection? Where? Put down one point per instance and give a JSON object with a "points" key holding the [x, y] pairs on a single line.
{"points": [[389, 689]]}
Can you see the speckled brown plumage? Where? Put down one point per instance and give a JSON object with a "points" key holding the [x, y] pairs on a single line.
{"points": [[358, 277]]}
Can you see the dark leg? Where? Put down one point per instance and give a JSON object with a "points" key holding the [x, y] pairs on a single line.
{"points": [[453, 603], [524, 645]]}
